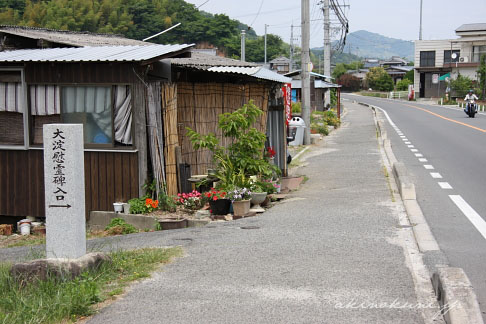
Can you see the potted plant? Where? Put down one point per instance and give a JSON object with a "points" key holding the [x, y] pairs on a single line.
{"points": [[218, 201], [241, 201], [258, 196], [190, 201]]}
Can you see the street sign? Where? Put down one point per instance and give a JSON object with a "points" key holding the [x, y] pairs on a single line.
{"points": [[435, 78]]}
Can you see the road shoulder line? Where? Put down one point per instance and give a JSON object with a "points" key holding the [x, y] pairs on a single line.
{"points": [[451, 286]]}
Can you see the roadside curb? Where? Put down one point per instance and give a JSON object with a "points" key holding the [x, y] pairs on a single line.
{"points": [[455, 294]]}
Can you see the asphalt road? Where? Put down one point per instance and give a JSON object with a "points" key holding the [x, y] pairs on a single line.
{"points": [[454, 145], [323, 256]]}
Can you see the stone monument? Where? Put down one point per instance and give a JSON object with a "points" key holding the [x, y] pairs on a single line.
{"points": [[64, 191]]}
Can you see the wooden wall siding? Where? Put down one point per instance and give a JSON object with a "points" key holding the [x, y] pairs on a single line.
{"points": [[200, 104], [109, 177], [22, 183], [171, 139], [80, 73]]}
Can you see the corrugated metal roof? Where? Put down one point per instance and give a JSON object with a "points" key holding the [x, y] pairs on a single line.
{"points": [[92, 54], [70, 37], [204, 61], [318, 84], [266, 74], [297, 72], [472, 27], [235, 69], [219, 64]]}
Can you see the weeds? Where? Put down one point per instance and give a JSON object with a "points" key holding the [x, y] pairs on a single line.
{"points": [[55, 300]]}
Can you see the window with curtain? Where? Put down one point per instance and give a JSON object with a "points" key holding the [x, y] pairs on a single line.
{"points": [[105, 111], [11, 108]]}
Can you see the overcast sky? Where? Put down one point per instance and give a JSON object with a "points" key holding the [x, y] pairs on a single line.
{"points": [[392, 18]]}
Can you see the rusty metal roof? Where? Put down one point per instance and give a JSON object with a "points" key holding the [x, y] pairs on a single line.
{"points": [[77, 39], [93, 54]]}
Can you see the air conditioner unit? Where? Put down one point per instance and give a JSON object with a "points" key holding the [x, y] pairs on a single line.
{"points": [[464, 59]]}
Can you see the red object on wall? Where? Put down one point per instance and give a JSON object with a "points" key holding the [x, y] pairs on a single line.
{"points": [[287, 94]]}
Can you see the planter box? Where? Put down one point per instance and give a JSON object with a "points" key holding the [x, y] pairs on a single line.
{"points": [[173, 223]]}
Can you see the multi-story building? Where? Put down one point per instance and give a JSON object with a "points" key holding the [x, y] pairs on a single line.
{"points": [[436, 58]]}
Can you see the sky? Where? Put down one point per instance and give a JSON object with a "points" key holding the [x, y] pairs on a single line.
{"points": [[391, 18]]}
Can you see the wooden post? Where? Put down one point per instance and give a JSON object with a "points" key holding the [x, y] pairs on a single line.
{"points": [[339, 103], [139, 103]]}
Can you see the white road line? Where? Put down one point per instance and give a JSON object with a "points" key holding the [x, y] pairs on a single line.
{"points": [[428, 167], [408, 143], [422, 160], [436, 175], [445, 185], [411, 146], [402, 136], [414, 150], [419, 155], [470, 213], [405, 139]]}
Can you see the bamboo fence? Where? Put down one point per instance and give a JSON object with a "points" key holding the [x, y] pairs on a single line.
{"points": [[169, 117], [199, 106]]}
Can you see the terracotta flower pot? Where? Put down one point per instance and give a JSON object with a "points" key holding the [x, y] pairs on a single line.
{"points": [[241, 207], [220, 206]]}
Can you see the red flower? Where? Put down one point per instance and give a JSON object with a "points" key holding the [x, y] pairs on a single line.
{"points": [[215, 198]]}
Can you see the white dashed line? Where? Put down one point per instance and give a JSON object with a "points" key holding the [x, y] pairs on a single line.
{"points": [[408, 143], [422, 160], [435, 175], [410, 146], [419, 155], [414, 150], [428, 167], [470, 213], [445, 185]]}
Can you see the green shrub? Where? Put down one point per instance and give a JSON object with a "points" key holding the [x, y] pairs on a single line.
{"points": [[296, 107], [330, 118], [320, 129], [120, 226]]}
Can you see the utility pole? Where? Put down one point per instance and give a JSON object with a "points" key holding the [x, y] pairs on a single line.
{"points": [[305, 75], [243, 33], [266, 44], [291, 68], [327, 48], [420, 30]]}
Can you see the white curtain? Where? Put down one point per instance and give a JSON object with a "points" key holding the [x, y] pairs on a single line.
{"points": [[97, 101], [45, 100], [10, 97], [86, 99], [123, 114]]}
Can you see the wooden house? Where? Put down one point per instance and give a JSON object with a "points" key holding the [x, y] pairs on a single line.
{"points": [[319, 88], [134, 103], [110, 90]]}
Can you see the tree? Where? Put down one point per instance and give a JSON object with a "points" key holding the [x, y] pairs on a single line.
{"points": [[482, 76], [402, 85], [378, 79], [410, 75], [349, 82], [339, 70], [461, 85]]}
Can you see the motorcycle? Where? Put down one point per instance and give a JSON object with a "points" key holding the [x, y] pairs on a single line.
{"points": [[471, 108]]}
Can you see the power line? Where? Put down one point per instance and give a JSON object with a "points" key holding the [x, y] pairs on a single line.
{"points": [[258, 13]]}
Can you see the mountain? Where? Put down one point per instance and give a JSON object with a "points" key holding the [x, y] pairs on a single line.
{"points": [[372, 45]]}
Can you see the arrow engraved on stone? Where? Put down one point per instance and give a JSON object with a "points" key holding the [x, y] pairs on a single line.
{"points": [[60, 206]]}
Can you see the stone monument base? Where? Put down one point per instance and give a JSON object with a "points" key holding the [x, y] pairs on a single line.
{"points": [[57, 268]]}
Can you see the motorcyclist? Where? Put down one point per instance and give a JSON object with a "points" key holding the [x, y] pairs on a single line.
{"points": [[470, 97]]}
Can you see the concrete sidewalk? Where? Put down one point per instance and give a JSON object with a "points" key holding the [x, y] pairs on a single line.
{"points": [[332, 253]]}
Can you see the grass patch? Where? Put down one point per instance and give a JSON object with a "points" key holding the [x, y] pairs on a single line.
{"points": [[56, 300], [27, 240]]}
